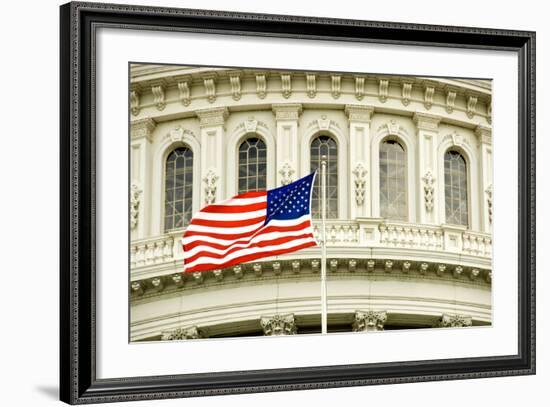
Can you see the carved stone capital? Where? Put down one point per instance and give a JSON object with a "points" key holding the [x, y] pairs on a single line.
{"points": [[142, 128], [278, 325], [182, 333], [358, 113], [425, 121], [287, 111], [369, 321], [484, 134], [212, 117], [454, 321]]}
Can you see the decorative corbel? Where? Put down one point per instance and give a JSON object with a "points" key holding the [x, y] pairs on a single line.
{"points": [[311, 85], [383, 86], [336, 83]]}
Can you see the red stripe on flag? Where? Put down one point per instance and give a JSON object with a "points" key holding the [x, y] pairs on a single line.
{"points": [[233, 238], [235, 208], [247, 258], [263, 243], [227, 223]]}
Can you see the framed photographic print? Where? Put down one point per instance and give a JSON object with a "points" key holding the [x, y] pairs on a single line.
{"points": [[250, 181]]}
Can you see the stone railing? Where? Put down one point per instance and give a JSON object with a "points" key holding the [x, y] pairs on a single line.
{"points": [[364, 232]]}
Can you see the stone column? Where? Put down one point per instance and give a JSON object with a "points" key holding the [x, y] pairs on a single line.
{"points": [[484, 136], [182, 333], [278, 325], [141, 137], [213, 177], [359, 158], [369, 321], [454, 321], [288, 148], [427, 136]]}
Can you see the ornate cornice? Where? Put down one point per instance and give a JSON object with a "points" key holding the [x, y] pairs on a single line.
{"points": [[212, 117], [359, 113], [142, 128], [454, 321], [287, 111]]}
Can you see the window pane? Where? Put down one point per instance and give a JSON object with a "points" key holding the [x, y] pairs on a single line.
{"points": [[456, 189], [393, 180], [252, 171], [325, 145], [178, 188]]}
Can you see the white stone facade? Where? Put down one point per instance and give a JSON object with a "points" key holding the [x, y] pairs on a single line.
{"points": [[382, 274]]}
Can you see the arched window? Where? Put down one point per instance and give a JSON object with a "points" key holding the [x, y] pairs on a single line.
{"points": [[393, 180], [252, 165], [456, 189], [178, 190], [325, 145]]}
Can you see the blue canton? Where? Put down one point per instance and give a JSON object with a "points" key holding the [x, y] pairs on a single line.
{"points": [[290, 201]]}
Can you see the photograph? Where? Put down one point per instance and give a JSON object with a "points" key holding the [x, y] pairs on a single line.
{"points": [[268, 202]]}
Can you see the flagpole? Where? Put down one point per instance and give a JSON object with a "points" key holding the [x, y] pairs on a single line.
{"points": [[323, 245]]}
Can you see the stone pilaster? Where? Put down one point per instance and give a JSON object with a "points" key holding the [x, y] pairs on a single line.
{"points": [[278, 325], [369, 321], [141, 137], [359, 118], [454, 321], [286, 116], [427, 131], [213, 177], [485, 139]]}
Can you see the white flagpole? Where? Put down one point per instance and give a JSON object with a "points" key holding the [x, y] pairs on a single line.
{"points": [[323, 245]]}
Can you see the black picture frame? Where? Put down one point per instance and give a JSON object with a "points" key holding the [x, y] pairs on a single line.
{"points": [[78, 381]]}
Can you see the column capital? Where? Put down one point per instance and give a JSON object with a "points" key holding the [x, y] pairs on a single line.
{"points": [[454, 321], [484, 134], [287, 111], [425, 121], [278, 325], [369, 321], [142, 128], [359, 113], [212, 117], [182, 333]]}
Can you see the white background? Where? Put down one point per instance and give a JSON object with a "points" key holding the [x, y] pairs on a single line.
{"points": [[29, 208], [117, 359]]}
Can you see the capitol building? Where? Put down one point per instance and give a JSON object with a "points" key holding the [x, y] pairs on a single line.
{"points": [[409, 199]]}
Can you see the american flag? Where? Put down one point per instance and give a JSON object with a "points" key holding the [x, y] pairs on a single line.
{"points": [[250, 226]]}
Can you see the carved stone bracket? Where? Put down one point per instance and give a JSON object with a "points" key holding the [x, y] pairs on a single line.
{"points": [[369, 321], [429, 97], [182, 333], [184, 92], [336, 83], [406, 93], [450, 101], [134, 102], [278, 325], [210, 87], [358, 113], [359, 87], [454, 321], [212, 117], [210, 189], [429, 182], [287, 111], [311, 85], [235, 81], [261, 85], [360, 180], [286, 84], [471, 106], [383, 86], [135, 193], [159, 95]]}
